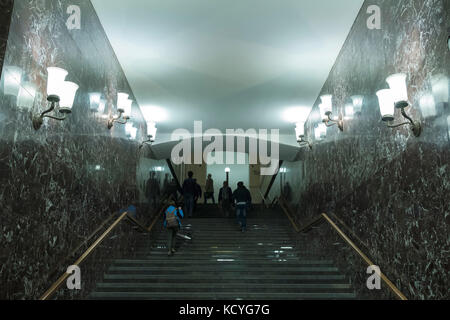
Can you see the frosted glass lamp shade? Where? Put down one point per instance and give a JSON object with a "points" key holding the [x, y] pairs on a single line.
{"points": [[122, 99], [127, 108], [440, 88], [349, 110], [427, 106], [27, 92], [94, 100], [101, 106], [320, 132], [357, 103], [151, 130], [227, 170], [300, 130], [12, 80], [130, 130], [68, 92], [397, 83], [55, 81], [387, 104], [326, 107]]}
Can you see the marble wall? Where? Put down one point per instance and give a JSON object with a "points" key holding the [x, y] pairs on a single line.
{"points": [[61, 182], [388, 189]]}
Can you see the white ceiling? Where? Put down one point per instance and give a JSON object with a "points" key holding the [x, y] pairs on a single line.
{"points": [[231, 64]]}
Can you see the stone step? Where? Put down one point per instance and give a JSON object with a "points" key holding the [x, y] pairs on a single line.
{"points": [[227, 277], [222, 296], [224, 268], [204, 262], [224, 287]]}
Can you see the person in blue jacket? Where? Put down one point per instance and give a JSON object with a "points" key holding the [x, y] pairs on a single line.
{"points": [[172, 230]]}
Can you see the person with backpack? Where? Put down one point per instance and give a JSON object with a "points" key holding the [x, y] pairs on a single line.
{"points": [[242, 200], [172, 222], [189, 192]]}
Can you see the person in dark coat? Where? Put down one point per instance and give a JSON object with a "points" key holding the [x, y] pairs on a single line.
{"points": [[189, 192], [225, 198], [242, 200]]}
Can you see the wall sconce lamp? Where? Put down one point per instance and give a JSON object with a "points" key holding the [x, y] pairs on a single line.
{"points": [[123, 108], [320, 132], [300, 134], [397, 97], [12, 80], [59, 93], [131, 131], [441, 90], [151, 132], [326, 108]]}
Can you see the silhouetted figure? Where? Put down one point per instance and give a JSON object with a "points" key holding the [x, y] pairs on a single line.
{"points": [[172, 222], [242, 200], [152, 190], [173, 189], [189, 192], [287, 192], [209, 189], [165, 188], [225, 198], [198, 194]]}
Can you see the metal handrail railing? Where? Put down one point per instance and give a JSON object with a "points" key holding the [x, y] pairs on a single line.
{"points": [[325, 217], [55, 286]]}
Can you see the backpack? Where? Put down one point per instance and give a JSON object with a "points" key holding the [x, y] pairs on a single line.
{"points": [[171, 219]]}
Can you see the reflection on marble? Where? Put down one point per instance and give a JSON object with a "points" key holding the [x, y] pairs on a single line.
{"points": [[60, 183], [386, 188]]}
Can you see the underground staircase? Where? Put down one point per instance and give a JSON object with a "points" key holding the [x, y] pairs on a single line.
{"points": [[221, 262]]}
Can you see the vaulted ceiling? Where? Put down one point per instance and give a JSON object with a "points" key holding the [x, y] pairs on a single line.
{"points": [[231, 64]]}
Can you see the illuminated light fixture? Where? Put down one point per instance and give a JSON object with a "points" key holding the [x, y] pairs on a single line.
{"points": [[101, 106], [349, 111], [300, 135], [131, 131], [283, 170], [357, 104], [227, 170], [27, 93], [59, 93], [440, 87], [127, 109], [387, 107], [326, 108], [151, 114], [12, 80], [427, 106], [123, 108], [320, 132], [397, 98], [94, 100]]}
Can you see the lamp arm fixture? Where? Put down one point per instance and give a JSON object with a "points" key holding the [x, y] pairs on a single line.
{"points": [[304, 143], [329, 122], [39, 119], [416, 127], [113, 119]]}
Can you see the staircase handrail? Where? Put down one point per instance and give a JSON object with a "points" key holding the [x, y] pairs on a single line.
{"points": [[55, 286], [324, 217]]}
